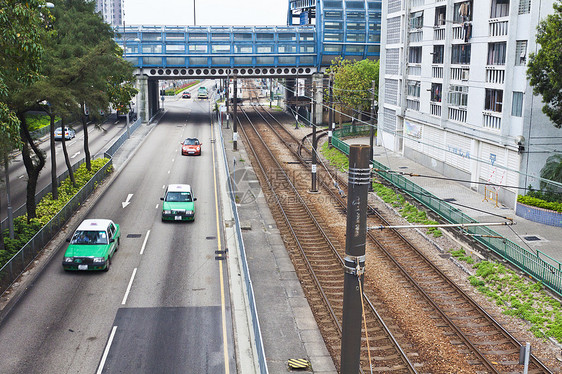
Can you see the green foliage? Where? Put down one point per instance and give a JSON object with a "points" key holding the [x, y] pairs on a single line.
{"points": [[461, 255], [539, 203], [544, 66], [335, 157], [519, 297], [353, 82], [407, 210], [46, 210], [175, 91], [38, 121], [552, 170]]}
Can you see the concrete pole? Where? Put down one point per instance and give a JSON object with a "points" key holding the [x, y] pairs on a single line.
{"points": [[356, 231], [331, 112], [235, 117], [314, 139], [227, 103]]}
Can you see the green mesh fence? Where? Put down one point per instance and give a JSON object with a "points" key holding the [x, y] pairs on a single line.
{"points": [[537, 264]]}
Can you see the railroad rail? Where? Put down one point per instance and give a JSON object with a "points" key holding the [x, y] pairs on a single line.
{"points": [[316, 258], [488, 346]]}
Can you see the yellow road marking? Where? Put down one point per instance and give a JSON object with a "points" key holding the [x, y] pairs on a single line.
{"points": [[223, 306]]}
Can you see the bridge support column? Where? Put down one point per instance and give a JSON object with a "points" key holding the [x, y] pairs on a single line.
{"points": [[142, 98], [317, 96]]}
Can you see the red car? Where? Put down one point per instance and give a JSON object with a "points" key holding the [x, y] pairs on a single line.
{"points": [[191, 146], [186, 95]]}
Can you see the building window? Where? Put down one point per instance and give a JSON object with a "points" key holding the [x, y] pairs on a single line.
{"points": [[496, 53], [440, 16], [517, 104], [493, 100], [414, 88], [462, 12], [520, 52], [438, 52], [416, 20], [500, 8], [460, 54], [458, 95], [436, 89], [524, 6], [415, 55]]}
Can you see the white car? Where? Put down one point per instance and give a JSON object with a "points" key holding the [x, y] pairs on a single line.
{"points": [[68, 133]]}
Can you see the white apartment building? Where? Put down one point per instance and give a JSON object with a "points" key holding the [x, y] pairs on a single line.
{"points": [[111, 10], [453, 92]]}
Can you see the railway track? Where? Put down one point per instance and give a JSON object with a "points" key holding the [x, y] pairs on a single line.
{"points": [[483, 342], [318, 262]]}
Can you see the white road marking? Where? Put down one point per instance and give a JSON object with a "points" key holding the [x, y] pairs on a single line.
{"points": [[129, 287], [128, 201], [173, 159], [157, 205], [21, 176], [76, 154], [164, 186], [144, 243], [106, 351], [168, 171]]}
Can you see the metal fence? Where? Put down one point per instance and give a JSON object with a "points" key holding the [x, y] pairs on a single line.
{"points": [[17, 264], [535, 263], [249, 287], [119, 142]]}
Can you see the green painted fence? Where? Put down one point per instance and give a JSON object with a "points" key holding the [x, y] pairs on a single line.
{"points": [[535, 263]]}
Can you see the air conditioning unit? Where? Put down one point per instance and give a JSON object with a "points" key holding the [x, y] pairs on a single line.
{"points": [[465, 74]]}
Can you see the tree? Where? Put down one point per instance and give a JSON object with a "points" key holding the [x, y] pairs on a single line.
{"points": [[353, 83], [24, 28], [552, 170], [545, 67]]}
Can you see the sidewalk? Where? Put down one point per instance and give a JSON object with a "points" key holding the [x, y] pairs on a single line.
{"points": [[524, 233]]}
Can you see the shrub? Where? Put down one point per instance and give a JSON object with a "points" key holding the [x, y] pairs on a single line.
{"points": [[540, 203], [47, 208]]}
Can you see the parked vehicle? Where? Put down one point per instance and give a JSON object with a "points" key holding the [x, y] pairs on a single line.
{"points": [[191, 146], [122, 114], [179, 203], [68, 133], [92, 246]]}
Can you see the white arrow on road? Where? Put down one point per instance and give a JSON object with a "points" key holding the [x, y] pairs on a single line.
{"points": [[127, 202], [76, 154]]}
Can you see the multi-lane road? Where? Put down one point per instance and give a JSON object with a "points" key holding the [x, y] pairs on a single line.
{"points": [[163, 307]]}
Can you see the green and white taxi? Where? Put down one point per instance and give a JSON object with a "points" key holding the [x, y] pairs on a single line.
{"points": [[92, 246], [179, 203]]}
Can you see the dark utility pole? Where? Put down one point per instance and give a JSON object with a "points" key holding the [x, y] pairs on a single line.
{"points": [[358, 182], [314, 139], [331, 112], [235, 117]]}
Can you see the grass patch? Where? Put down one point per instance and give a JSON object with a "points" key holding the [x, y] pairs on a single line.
{"points": [[335, 157], [519, 297]]}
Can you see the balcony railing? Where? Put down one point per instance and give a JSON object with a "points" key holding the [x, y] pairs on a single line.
{"points": [[492, 120], [495, 74], [435, 109], [460, 73], [439, 33], [498, 27], [457, 114], [416, 36], [413, 104], [414, 69], [437, 72]]}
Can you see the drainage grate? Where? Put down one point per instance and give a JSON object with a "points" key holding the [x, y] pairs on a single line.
{"points": [[402, 167], [531, 238], [449, 200], [134, 235], [210, 237]]}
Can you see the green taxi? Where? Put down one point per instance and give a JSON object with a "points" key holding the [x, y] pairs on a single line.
{"points": [[179, 203], [92, 246]]}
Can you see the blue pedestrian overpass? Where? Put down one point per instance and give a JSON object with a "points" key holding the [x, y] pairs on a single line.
{"points": [[317, 32]]}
